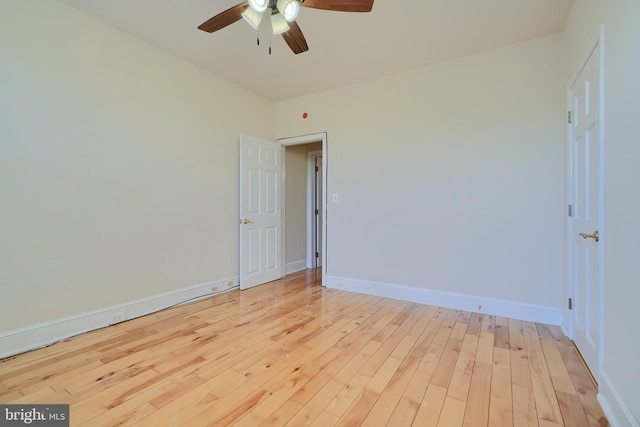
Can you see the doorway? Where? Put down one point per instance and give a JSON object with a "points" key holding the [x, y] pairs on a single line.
{"points": [[322, 214]]}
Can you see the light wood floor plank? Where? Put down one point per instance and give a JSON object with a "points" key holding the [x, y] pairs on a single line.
{"points": [[349, 393], [501, 402], [461, 377], [546, 400], [325, 420], [431, 407], [452, 413], [357, 412], [446, 364], [524, 406], [573, 414], [557, 370], [293, 353], [313, 407], [477, 403], [404, 413]]}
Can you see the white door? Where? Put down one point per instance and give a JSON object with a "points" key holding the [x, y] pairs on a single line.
{"points": [[260, 211], [318, 206], [585, 204]]}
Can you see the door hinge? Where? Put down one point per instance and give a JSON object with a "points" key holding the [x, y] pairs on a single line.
{"points": [[317, 169], [569, 118], [317, 255], [317, 211], [570, 304], [570, 210]]}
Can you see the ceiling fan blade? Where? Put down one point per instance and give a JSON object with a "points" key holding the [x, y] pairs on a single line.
{"points": [[295, 39], [340, 5], [225, 18]]}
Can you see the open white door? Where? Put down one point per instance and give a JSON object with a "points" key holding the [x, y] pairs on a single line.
{"points": [[585, 194], [260, 211]]}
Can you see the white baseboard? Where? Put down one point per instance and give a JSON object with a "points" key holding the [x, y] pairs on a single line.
{"points": [[35, 336], [295, 266], [615, 408], [472, 303]]}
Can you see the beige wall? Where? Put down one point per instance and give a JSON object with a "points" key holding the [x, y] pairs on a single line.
{"points": [[620, 371], [449, 177], [296, 201], [118, 166]]}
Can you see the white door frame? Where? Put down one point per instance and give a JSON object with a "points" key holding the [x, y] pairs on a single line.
{"points": [[298, 140], [311, 216], [568, 325]]}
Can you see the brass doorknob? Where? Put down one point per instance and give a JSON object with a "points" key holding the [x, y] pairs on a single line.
{"points": [[245, 221], [595, 236]]}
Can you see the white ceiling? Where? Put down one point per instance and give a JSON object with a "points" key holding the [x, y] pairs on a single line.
{"points": [[343, 47]]}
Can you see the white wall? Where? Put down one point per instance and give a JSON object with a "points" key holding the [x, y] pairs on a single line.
{"points": [[117, 167], [620, 372], [449, 177]]}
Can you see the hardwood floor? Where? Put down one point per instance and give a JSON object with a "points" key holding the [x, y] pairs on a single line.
{"points": [[294, 353]]}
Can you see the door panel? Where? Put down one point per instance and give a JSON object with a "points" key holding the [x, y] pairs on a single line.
{"points": [[260, 216], [585, 193]]}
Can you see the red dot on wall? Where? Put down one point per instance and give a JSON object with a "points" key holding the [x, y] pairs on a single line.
{"points": [[305, 115]]}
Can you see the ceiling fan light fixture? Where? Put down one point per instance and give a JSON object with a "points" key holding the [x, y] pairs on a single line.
{"points": [[252, 17], [278, 24], [289, 9], [259, 5]]}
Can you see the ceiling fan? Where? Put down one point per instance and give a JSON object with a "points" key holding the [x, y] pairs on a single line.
{"points": [[283, 14]]}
